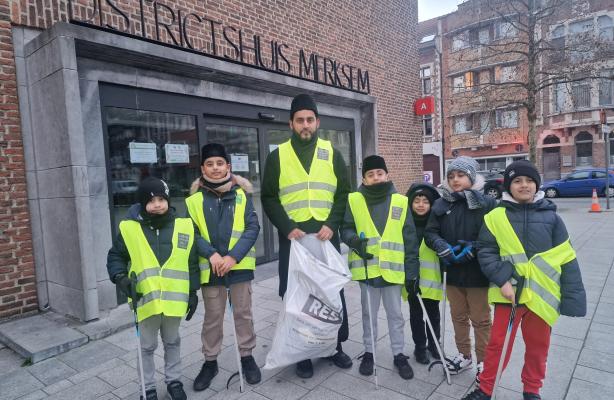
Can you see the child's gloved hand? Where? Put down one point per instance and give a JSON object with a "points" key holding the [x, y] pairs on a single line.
{"points": [[125, 285], [359, 245], [448, 255], [467, 254], [413, 287], [192, 305]]}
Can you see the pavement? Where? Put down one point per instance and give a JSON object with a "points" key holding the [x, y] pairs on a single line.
{"points": [[580, 363]]}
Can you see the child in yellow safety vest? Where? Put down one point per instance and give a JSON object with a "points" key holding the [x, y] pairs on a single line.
{"points": [[390, 247], [227, 227], [155, 251], [524, 240], [421, 197]]}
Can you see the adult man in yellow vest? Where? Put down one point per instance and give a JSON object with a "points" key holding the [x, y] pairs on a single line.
{"points": [[304, 190]]}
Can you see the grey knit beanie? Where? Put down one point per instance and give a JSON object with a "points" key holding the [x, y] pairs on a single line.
{"points": [[464, 164]]}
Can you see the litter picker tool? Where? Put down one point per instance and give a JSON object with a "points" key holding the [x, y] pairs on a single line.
{"points": [[234, 330], [439, 347], [133, 296], [364, 263], [508, 335]]}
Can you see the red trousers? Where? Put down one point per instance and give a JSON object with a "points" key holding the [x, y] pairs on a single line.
{"points": [[536, 335]]}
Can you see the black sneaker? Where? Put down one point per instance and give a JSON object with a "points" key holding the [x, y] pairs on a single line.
{"points": [[304, 369], [206, 375], [421, 356], [341, 360], [175, 391], [530, 396], [250, 370], [366, 365], [405, 371], [477, 394], [150, 395]]}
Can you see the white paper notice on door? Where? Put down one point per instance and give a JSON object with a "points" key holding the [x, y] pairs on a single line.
{"points": [[143, 153], [177, 153], [240, 162]]}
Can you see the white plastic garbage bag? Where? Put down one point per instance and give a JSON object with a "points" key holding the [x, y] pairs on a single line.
{"points": [[312, 312]]}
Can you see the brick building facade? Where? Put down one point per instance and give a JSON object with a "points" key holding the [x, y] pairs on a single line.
{"points": [[91, 106]]}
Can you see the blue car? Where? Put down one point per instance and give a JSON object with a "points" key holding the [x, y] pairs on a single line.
{"points": [[579, 183]]}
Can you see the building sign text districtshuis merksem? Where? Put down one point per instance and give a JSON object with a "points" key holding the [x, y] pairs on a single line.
{"points": [[179, 28]]}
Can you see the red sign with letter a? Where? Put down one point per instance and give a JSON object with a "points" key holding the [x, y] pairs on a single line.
{"points": [[425, 106]]}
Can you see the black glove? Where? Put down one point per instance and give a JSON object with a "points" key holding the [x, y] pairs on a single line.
{"points": [[125, 285], [192, 305], [413, 287], [468, 252], [360, 247]]}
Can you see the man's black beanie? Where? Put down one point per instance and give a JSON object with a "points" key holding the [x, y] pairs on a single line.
{"points": [[303, 102], [520, 168], [150, 187], [213, 150]]}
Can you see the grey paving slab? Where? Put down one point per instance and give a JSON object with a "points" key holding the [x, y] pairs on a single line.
{"points": [[582, 390], [281, 389], [37, 337], [95, 353], [119, 376], [58, 386], [357, 388], [9, 360], [89, 389], [38, 395], [51, 370], [594, 376], [18, 383], [321, 393], [597, 360]]}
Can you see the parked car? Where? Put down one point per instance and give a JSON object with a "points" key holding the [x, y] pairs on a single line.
{"points": [[580, 183], [493, 186]]}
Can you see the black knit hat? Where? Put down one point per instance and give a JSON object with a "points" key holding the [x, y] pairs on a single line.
{"points": [[213, 150], [150, 187], [520, 168], [303, 102], [373, 162], [422, 189]]}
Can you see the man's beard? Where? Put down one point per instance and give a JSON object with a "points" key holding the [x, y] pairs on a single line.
{"points": [[303, 134]]}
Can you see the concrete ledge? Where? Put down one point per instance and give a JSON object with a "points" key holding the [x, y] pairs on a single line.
{"points": [[38, 337]]}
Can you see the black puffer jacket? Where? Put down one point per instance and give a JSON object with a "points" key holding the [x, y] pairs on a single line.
{"points": [[539, 228], [160, 241], [450, 222]]}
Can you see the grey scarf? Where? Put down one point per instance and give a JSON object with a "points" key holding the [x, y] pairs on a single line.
{"points": [[472, 197]]}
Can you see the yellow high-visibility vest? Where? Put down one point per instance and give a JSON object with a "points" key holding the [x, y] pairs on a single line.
{"points": [[542, 272], [305, 196], [194, 205], [165, 288], [431, 284], [388, 249]]}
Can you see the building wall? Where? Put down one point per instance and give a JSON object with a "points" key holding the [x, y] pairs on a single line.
{"points": [[358, 34]]}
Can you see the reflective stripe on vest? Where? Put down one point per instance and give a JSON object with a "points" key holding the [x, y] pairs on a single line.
{"points": [[430, 275], [165, 289], [306, 196], [388, 250], [542, 273], [194, 205]]}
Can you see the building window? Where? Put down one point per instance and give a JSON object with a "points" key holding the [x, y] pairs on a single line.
{"points": [[581, 94], [469, 80], [463, 124], [580, 38], [606, 88], [505, 30], [557, 44], [485, 123], [480, 36], [508, 73], [425, 76], [507, 118], [427, 126], [460, 41], [606, 28], [584, 149], [559, 94]]}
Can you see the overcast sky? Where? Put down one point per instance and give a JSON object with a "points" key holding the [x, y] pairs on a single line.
{"points": [[428, 9]]}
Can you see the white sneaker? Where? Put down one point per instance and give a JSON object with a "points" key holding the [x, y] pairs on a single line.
{"points": [[458, 364], [480, 368]]}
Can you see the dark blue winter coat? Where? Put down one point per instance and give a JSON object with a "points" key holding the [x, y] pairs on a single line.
{"points": [[219, 212], [539, 228]]}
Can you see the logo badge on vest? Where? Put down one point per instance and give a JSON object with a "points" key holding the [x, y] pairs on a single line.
{"points": [[239, 198], [396, 212], [322, 154], [317, 309], [183, 240]]}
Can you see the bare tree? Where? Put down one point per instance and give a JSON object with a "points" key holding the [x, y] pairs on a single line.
{"points": [[529, 48]]}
